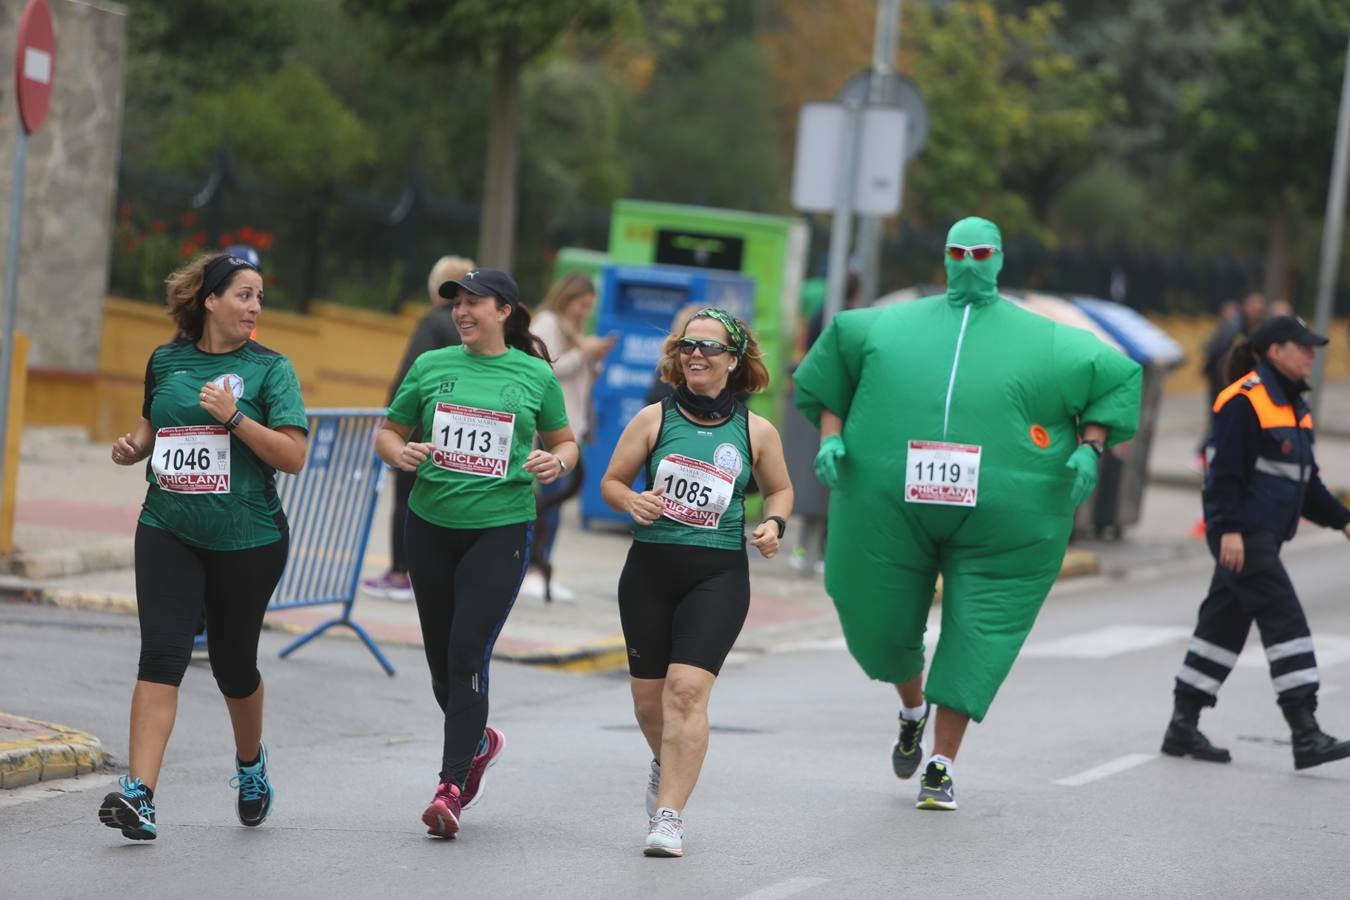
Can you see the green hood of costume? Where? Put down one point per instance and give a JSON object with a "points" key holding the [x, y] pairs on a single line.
{"points": [[968, 281]]}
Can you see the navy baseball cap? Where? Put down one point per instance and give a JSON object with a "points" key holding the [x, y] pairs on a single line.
{"points": [[1278, 329], [484, 283]]}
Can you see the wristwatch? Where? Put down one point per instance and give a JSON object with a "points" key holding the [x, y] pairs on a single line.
{"points": [[235, 419], [782, 524], [1095, 444], [562, 466]]}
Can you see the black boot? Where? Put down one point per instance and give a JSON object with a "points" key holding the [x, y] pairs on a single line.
{"points": [[1183, 737], [1312, 745]]}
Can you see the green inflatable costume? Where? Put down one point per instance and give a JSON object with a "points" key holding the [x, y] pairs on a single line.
{"points": [[959, 455]]}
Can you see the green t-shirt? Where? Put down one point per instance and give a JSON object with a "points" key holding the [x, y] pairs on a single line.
{"points": [[482, 413], [704, 470], [193, 492]]}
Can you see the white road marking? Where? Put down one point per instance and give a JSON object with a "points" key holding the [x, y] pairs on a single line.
{"points": [[44, 790], [1115, 766], [787, 888], [1111, 640]]}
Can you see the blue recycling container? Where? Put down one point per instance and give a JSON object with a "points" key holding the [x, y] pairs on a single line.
{"points": [[1144, 342], [638, 304]]}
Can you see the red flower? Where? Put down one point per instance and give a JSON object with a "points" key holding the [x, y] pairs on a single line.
{"points": [[226, 239], [246, 233], [186, 249], [188, 219], [262, 240]]}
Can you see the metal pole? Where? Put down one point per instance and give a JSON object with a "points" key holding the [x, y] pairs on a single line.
{"points": [[870, 229], [1332, 227], [841, 230], [12, 284]]}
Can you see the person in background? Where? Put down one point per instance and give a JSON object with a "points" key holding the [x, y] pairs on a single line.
{"points": [[434, 330], [1261, 479], [577, 358], [1231, 330], [221, 415]]}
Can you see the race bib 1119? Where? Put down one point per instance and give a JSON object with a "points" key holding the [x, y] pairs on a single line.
{"points": [[942, 473]]}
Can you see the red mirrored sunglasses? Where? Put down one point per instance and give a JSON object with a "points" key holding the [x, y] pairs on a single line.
{"points": [[979, 254]]}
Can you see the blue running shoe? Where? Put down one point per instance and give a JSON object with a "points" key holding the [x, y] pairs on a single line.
{"points": [[255, 790], [132, 810]]}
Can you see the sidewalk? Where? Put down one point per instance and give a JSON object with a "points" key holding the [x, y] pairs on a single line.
{"points": [[32, 751]]}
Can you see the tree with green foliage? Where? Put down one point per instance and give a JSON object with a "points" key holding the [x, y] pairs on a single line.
{"points": [[1262, 119], [286, 127], [507, 34]]}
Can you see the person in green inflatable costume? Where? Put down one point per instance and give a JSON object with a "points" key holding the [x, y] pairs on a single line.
{"points": [[959, 433]]}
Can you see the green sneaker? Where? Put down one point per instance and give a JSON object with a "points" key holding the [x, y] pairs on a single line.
{"points": [[936, 790], [908, 750]]}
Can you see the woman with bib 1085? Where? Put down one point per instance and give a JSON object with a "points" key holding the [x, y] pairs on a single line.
{"points": [[685, 589], [471, 511], [221, 414]]}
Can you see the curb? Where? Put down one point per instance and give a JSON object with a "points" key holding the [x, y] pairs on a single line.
{"points": [[61, 752], [56, 563]]}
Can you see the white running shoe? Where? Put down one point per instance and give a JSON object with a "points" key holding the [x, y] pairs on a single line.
{"points": [[533, 585], [653, 788], [561, 593], [665, 834]]}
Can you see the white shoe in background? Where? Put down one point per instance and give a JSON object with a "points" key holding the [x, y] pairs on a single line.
{"points": [[533, 585]]}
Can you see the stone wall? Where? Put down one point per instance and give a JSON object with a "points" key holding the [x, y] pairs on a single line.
{"points": [[71, 181]]}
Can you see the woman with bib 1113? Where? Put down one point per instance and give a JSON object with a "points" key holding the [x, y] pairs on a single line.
{"points": [[471, 511]]}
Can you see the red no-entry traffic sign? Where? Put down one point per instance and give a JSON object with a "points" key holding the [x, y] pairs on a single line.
{"points": [[34, 64]]}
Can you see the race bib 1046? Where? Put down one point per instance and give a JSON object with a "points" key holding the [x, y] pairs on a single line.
{"points": [[696, 493], [192, 459], [942, 473], [473, 441]]}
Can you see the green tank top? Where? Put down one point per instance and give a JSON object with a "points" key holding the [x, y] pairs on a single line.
{"points": [[704, 470], [206, 485]]}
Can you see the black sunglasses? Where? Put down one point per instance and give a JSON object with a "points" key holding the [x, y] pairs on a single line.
{"points": [[709, 347]]}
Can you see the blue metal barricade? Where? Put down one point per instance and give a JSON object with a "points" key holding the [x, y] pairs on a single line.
{"points": [[330, 505]]}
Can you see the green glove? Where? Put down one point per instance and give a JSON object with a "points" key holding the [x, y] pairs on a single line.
{"points": [[827, 460], [1083, 463]]}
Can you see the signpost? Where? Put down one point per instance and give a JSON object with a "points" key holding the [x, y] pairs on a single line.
{"points": [[34, 64]]}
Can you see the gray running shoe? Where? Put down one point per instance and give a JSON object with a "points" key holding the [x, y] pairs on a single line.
{"points": [[908, 750], [653, 788], [665, 834], [936, 790]]}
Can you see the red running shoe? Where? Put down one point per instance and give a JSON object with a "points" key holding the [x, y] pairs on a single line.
{"points": [[473, 785], [442, 815]]}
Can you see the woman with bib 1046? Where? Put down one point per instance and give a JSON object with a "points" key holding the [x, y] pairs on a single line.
{"points": [[221, 415]]}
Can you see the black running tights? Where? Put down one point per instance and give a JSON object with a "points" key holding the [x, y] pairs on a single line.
{"points": [[465, 581]]}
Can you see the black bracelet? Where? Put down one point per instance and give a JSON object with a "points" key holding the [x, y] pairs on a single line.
{"points": [[1095, 444], [782, 524]]}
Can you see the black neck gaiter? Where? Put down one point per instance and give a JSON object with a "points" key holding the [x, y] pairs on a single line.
{"points": [[701, 407]]}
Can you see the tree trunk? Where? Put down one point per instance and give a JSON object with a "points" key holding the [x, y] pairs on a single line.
{"points": [[497, 231], [1276, 281]]}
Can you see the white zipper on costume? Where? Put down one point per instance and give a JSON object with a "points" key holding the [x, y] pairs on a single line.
{"points": [[951, 383]]}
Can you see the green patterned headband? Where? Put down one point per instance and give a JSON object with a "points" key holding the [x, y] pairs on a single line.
{"points": [[735, 330]]}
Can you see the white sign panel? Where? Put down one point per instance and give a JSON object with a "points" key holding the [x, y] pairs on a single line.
{"points": [[880, 163]]}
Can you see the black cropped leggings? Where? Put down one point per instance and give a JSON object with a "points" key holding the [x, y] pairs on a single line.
{"points": [[175, 581], [465, 581]]}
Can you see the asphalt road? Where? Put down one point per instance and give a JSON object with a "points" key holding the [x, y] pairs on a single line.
{"points": [[1062, 790]]}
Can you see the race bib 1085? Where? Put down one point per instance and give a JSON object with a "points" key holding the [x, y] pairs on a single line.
{"points": [[696, 493], [192, 459]]}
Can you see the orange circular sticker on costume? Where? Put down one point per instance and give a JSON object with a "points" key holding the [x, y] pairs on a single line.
{"points": [[1040, 437]]}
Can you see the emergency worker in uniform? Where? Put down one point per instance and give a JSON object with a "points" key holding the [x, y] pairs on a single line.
{"points": [[1260, 479], [958, 434]]}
